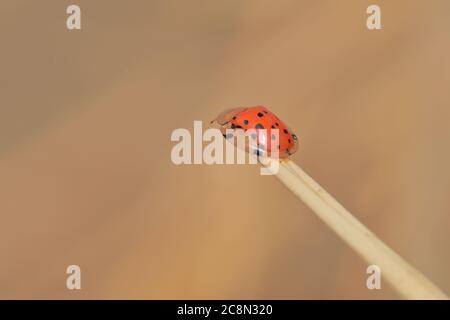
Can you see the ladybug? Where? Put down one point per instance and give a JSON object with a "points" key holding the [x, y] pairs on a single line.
{"points": [[257, 118]]}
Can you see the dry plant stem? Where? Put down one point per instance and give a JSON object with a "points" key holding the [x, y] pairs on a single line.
{"points": [[409, 282]]}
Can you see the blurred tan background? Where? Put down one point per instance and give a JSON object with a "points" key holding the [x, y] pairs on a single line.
{"points": [[85, 123]]}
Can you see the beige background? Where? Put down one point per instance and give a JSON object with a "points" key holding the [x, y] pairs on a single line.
{"points": [[85, 124]]}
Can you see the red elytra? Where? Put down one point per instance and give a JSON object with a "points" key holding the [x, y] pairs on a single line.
{"points": [[257, 118]]}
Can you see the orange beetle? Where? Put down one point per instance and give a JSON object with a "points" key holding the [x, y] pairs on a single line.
{"points": [[276, 133]]}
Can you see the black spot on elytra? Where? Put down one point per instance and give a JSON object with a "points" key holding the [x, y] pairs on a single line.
{"points": [[259, 126], [285, 131], [245, 121], [238, 127], [289, 140], [273, 127], [260, 114], [276, 123]]}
